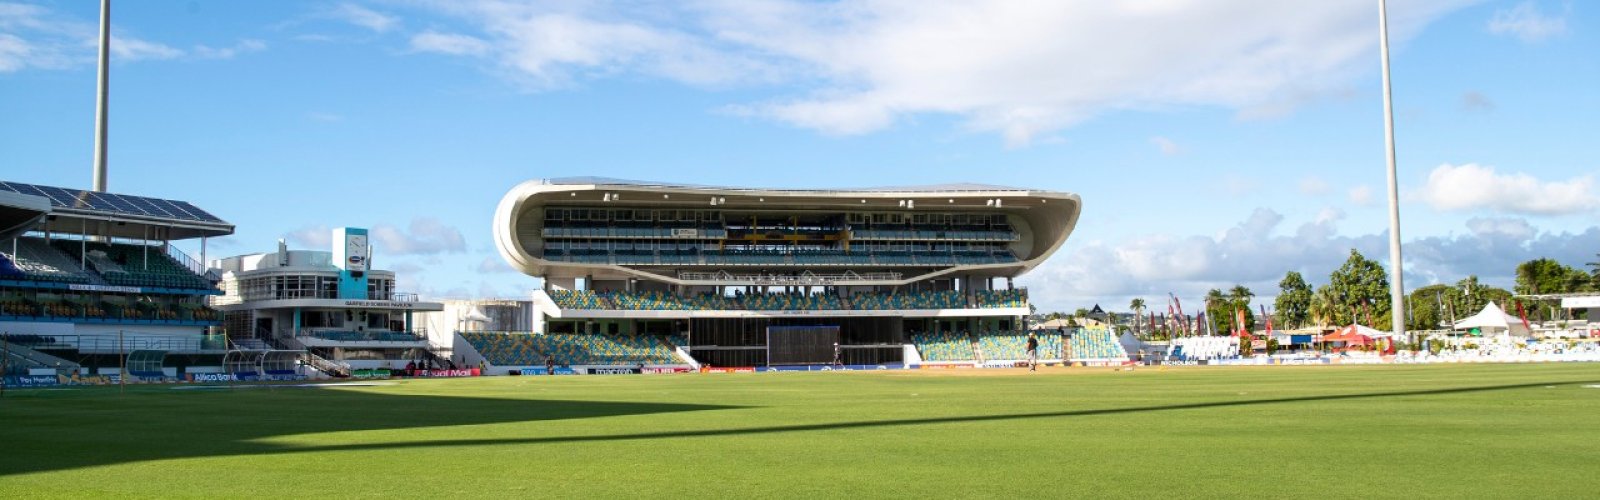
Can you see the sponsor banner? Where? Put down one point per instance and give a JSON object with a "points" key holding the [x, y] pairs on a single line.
{"points": [[370, 373], [560, 370], [833, 368], [240, 377], [105, 288], [32, 381], [1005, 364], [460, 372], [784, 369], [728, 369], [664, 369], [611, 370], [944, 366], [88, 379]]}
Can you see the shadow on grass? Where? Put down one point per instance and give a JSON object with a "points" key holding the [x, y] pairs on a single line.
{"points": [[47, 432], [923, 421], [81, 432]]}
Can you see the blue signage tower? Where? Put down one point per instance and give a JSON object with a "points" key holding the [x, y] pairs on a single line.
{"points": [[352, 254]]}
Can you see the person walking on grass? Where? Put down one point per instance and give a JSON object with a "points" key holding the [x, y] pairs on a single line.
{"points": [[1033, 353]]}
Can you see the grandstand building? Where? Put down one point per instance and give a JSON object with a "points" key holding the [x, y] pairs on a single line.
{"points": [[90, 284], [331, 305], [651, 273]]}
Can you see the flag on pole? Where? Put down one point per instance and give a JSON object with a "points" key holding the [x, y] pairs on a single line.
{"points": [[1524, 315], [1268, 317], [1181, 318]]}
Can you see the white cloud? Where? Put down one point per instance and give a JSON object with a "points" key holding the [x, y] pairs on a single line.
{"points": [[124, 49], [1018, 69], [1257, 252], [449, 43], [244, 46], [424, 236], [1361, 196], [34, 37], [364, 17], [1476, 187], [1312, 185], [311, 237], [1166, 146], [493, 264], [1526, 23]]}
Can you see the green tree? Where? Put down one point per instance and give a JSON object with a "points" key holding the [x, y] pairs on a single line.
{"points": [[1240, 297], [1293, 304], [1361, 288], [1427, 305], [1546, 276], [1216, 303], [1324, 306], [1137, 306], [1471, 296]]}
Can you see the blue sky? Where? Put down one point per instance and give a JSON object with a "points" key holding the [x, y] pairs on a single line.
{"points": [[1214, 142]]}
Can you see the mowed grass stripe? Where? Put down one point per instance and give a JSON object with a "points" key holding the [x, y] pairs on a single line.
{"points": [[1387, 431]]}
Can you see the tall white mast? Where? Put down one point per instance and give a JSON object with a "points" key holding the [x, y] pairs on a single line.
{"points": [[102, 98], [1397, 295]]}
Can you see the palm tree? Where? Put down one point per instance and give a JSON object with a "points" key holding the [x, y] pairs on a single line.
{"points": [[1594, 270], [1324, 303], [1241, 295], [1241, 299], [1137, 305], [1215, 301]]}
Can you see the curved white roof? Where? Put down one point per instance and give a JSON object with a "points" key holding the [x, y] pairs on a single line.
{"points": [[1045, 218]]}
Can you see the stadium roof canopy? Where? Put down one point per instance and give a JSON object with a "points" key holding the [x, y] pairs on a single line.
{"points": [[20, 212], [77, 211], [962, 187], [1044, 219]]}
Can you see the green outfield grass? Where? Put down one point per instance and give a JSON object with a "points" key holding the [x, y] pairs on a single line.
{"points": [[1344, 431]]}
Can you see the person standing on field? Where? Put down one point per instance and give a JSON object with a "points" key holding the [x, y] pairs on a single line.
{"points": [[1033, 353]]}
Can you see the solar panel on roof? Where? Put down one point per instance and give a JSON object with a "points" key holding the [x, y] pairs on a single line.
{"points": [[119, 202], [148, 207], [200, 214], [169, 207], [185, 209], [113, 203]]}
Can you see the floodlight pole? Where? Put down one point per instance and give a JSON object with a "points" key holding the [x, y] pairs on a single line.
{"points": [[102, 98], [1397, 297]]}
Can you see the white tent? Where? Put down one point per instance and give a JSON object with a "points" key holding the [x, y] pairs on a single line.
{"points": [[1372, 332], [475, 315], [1494, 320]]}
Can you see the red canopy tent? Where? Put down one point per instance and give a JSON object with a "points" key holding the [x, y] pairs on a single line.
{"points": [[1349, 335]]}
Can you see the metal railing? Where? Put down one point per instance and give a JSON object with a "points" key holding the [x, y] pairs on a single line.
{"points": [[804, 278], [113, 343], [186, 261]]}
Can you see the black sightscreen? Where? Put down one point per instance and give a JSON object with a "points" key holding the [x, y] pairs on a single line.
{"points": [[801, 345]]}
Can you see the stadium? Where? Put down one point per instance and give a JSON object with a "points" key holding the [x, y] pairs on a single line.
{"points": [[712, 341], [660, 276]]}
